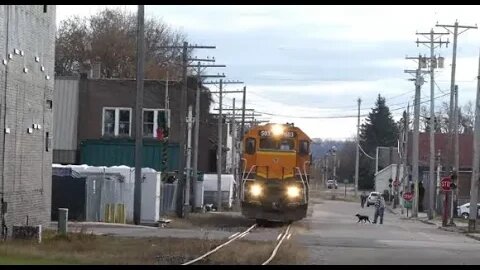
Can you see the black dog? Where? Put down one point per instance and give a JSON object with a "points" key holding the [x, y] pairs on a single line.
{"points": [[362, 218]]}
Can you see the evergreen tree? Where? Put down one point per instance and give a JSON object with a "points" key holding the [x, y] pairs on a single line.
{"points": [[379, 129]]}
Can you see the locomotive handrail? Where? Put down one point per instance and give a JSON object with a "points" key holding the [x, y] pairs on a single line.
{"points": [[245, 179], [305, 170], [299, 173], [303, 183], [245, 166]]}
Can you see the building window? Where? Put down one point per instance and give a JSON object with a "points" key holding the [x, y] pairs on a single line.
{"points": [[117, 121], [49, 104], [155, 121]]}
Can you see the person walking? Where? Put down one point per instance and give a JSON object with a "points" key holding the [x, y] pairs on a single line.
{"points": [[363, 199], [379, 209]]}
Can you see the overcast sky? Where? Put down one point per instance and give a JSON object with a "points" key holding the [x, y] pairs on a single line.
{"points": [[315, 61]]}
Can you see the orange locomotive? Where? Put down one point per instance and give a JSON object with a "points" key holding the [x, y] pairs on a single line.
{"points": [[276, 165]]}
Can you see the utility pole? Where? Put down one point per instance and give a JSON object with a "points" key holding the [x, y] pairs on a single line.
{"points": [[418, 84], [242, 133], [456, 154], [234, 156], [219, 151], [244, 100], [476, 162], [184, 207], [406, 172], [196, 136], [433, 64], [439, 169], [455, 33], [397, 171], [137, 197], [220, 140], [189, 152], [357, 154]]}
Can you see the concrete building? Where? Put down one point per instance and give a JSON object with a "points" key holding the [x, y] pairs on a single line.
{"points": [[27, 43]]}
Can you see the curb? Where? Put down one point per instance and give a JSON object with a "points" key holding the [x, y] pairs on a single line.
{"points": [[473, 236], [427, 222], [391, 211]]}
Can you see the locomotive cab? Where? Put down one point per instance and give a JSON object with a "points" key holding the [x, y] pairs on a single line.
{"points": [[275, 178]]}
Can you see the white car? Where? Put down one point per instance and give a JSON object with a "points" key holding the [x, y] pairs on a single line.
{"points": [[372, 198], [464, 210], [332, 184]]}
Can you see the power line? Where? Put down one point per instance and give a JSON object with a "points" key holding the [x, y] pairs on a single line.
{"points": [[353, 108], [337, 116]]}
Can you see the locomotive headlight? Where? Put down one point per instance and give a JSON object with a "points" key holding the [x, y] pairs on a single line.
{"points": [[293, 192], [256, 190], [277, 130]]}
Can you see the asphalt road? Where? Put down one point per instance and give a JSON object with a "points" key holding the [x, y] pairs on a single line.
{"points": [[332, 236]]}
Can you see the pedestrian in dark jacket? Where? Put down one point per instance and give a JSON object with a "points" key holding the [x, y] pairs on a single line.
{"points": [[379, 209], [363, 199]]}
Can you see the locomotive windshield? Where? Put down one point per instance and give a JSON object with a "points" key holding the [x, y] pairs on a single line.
{"points": [[277, 144]]}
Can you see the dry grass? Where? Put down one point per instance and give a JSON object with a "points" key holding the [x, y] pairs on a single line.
{"points": [[232, 222], [86, 248]]}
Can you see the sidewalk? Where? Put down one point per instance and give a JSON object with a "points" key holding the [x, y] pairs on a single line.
{"points": [[459, 227]]}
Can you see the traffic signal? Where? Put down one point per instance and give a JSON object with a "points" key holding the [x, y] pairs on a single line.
{"points": [[390, 180], [390, 185], [453, 176], [162, 125]]}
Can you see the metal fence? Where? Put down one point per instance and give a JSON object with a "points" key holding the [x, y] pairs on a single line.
{"points": [[107, 189], [108, 196], [168, 194]]}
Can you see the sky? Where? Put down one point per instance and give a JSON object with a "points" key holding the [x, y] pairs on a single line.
{"points": [[310, 64]]}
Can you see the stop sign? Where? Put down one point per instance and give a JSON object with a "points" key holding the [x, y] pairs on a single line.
{"points": [[445, 183], [407, 196]]}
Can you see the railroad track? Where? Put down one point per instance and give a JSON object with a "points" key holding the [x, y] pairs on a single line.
{"points": [[284, 235]]}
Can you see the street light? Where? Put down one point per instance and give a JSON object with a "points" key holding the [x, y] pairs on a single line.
{"points": [[333, 152]]}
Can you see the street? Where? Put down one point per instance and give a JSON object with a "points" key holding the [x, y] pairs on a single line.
{"points": [[333, 236]]}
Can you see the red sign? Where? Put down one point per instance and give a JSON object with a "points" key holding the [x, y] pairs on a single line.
{"points": [[445, 183], [407, 196]]}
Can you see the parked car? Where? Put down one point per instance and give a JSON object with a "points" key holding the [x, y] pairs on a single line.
{"points": [[332, 184], [372, 198], [464, 210]]}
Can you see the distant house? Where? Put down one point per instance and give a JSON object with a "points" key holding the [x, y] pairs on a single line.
{"points": [[94, 122], [383, 177]]}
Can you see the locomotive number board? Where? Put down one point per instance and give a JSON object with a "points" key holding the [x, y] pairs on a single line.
{"points": [[268, 133]]}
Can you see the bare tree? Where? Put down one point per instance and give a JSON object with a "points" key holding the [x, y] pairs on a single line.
{"points": [[466, 118], [109, 38], [71, 46]]}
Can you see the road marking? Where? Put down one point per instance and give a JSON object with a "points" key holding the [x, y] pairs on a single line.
{"points": [[280, 235], [289, 235]]}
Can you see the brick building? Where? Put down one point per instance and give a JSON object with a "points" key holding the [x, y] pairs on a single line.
{"points": [[95, 122], [27, 43]]}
